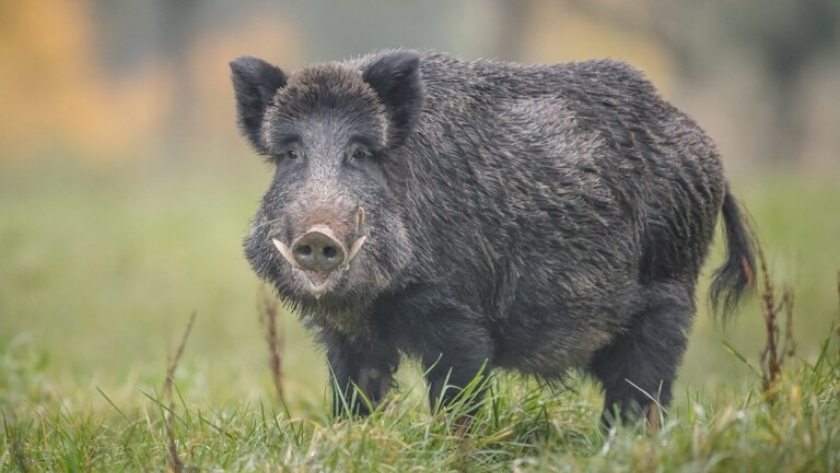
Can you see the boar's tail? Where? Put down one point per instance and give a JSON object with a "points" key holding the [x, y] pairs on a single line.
{"points": [[737, 275]]}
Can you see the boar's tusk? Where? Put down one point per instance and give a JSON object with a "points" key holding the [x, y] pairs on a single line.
{"points": [[360, 219], [284, 250], [354, 250]]}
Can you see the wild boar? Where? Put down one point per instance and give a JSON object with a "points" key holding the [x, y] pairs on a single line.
{"points": [[480, 215]]}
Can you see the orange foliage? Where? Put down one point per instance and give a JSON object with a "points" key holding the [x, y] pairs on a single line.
{"points": [[54, 95], [56, 98]]}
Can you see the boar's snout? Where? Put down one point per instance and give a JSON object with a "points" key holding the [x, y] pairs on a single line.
{"points": [[318, 250]]}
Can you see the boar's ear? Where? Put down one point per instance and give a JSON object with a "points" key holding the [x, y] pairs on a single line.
{"points": [[395, 77], [254, 82]]}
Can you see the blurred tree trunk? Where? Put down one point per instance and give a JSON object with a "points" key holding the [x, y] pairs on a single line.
{"points": [[138, 33], [180, 25], [128, 29], [783, 37], [662, 19], [511, 38]]}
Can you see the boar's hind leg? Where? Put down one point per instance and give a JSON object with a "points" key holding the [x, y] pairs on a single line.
{"points": [[361, 374], [638, 368]]}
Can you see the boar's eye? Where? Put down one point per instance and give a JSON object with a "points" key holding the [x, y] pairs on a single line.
{"points": [[361, 149], [360, 154], [290, 151], [287, 148]]}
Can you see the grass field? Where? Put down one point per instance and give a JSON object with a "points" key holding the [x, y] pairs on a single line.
{"points": [[101, 270]]}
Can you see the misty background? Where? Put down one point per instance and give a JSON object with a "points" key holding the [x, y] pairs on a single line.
{"points": [[117, 80]]}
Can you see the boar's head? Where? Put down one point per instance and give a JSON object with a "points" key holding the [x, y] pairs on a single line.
{"points": [[329, 227]]}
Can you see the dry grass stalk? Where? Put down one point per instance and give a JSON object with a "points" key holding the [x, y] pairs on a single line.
{"points": [[654, 419], [774, 355], [267, 306], [837, 325], [175, 463]]}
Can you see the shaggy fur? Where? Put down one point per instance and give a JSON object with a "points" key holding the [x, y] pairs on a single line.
{"points": [[533, 218]]}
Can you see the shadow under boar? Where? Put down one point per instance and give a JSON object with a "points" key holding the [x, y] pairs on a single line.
{"points": [[478, 215]]}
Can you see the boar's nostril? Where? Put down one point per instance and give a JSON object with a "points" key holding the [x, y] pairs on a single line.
{"points": [[317, 250]]}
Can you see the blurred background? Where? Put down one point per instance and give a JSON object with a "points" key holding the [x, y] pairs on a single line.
{"points": [[125, 189]]}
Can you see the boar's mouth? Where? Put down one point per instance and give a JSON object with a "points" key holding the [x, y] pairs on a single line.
{"points": [[317, 282]]}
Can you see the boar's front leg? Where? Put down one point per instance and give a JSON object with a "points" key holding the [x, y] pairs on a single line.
{"points": [[361, 374], [454, 347], [450, 370]]}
